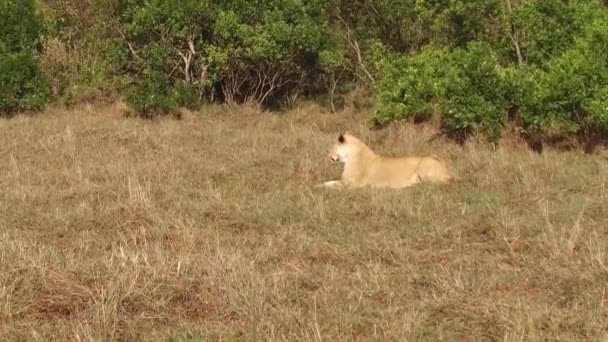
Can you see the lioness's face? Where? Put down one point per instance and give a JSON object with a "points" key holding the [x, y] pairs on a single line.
{"points": [[339, 153]]}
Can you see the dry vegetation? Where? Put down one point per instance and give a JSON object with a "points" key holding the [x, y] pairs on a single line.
{"points": [[210, 228]]}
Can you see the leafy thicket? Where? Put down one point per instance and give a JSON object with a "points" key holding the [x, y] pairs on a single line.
{"points": [[234, 51], [22, 87], [539, 64], [471, 66]]}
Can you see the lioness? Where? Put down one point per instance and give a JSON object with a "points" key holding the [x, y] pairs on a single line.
{"points": [[363, 167]]}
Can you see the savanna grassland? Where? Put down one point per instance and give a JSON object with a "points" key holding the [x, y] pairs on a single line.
{"points": [[210, 228]]}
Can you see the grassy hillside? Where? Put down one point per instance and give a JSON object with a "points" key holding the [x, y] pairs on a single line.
{"points": [[210, 228]]}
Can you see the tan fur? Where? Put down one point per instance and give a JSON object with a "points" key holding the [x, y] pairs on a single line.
{"points": [[363, 167]]}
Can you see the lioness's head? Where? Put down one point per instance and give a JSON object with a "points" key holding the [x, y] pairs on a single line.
{"points": [[344, 148]]}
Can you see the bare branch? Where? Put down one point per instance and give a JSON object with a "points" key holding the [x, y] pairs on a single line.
{"points": [[131, 49], [352, 41], [514, 36]]}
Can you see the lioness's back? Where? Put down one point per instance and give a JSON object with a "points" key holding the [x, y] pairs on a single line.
{"points": [[427, 169], [394, 168]]}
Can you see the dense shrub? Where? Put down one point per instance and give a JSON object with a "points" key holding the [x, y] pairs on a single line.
{"points": [[151, 96], [407, 25], [236, 51], [568, 94], [413, 87], [21, 85], [19, 26], [462, 88], [558, 84], [471, 66], [474, 94]]}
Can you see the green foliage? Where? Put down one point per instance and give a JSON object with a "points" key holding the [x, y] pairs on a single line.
{"points": [[335, 69], [237, 50], [413, 87], [408, 25], [152, 96], [568, 94], [155, 95], [19, 26], [265, 50], [547, 28], [457, 23], [161, 53], [471, 66], [463, 87], [474, 92], [21, 85], [560, 87], [186, 95]]}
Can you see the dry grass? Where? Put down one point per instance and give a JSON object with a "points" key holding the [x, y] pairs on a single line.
{"points": [[209, 228]]}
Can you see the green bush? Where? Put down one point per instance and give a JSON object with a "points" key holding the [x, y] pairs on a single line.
{"points": [[547, 28], [152, 96], [22, 87], [160, 51], [474, 95], [186, 95], [471, 66], [413, 87], [463, 88], [596, 109], [259, 52], [569, 94], [19, 26], [264, 52], [561, 86]]}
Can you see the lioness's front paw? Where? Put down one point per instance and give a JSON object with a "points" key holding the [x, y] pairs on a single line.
{"points": [[331, 184]]}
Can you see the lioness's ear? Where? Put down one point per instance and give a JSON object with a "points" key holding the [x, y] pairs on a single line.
{"points": [[341, 139]]}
